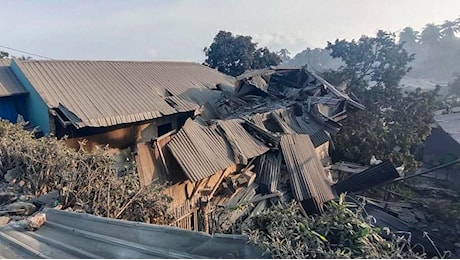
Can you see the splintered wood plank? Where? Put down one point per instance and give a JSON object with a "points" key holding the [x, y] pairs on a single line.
{"points": [[145, 164]]}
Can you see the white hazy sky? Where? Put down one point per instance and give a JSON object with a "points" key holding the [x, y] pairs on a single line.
{"points": [[179, 30]]}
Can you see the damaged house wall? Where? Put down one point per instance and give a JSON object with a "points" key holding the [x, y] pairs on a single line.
{"points": [[12, 93]]}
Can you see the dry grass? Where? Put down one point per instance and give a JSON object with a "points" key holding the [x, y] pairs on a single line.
{"points": [[84, 178]]}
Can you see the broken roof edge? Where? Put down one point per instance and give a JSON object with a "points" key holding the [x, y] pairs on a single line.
{"points": [[273, 69], [336, 91]]}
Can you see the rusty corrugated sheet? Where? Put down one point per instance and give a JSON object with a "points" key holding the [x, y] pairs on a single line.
{"points": [[105, 93], [308, 178], [9, 84], [268, 171], [243, 144], [200, 151]]}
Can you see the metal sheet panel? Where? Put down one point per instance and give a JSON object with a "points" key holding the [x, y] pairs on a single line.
{"points": [[308, 178], [80, 235], [243, 144], [105, 93], [268, 171], [9, 84], [200, 151], [371, 177]]}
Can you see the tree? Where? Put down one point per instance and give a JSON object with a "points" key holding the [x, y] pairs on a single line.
{"points": [[233, 55], [409, 38], [449, 29], [372, 62], [394, 124], [431, 35], [284, 54]]}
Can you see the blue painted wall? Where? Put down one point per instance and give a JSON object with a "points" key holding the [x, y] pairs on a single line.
{"points": [[8, 109], [36, 110]]}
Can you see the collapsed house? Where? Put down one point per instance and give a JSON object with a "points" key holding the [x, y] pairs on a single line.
{"points": [[266, 142]]}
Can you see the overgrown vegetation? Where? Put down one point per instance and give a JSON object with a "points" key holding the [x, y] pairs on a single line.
{"points": [[340, 232], [82, 178], [394, 124]]}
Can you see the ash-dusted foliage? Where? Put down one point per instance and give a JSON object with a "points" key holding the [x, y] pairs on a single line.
{"points": [[340, 232], [85, 178]]}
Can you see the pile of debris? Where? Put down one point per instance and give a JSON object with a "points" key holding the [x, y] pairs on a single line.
{"points": [[265, 143]]}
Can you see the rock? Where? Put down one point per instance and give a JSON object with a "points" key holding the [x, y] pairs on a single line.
{"points": [[457, 245], [6, 197], [4, 220], [36, 221], [21, 183], [28, 208], [12, 174]]}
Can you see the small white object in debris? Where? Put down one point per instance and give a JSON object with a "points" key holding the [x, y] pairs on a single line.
{"points": [[374, 161], [400, 169], [36, 221]]}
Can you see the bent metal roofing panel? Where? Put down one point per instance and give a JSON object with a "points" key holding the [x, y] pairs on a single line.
{"points": [[105, 93]]}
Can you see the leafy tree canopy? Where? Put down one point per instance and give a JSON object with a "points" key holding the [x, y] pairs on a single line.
{"points": [[394, 124], [234, 54]]}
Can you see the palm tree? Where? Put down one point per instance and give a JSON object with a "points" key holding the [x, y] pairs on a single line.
{"points": [[449, 28], [409, 37], [430, 35]]}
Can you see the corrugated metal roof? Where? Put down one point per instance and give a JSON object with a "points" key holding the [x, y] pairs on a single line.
{"points": [[308, 178], [268, 171], [292, 124], [79, 235], [242, 143], [371, 177], [105, 93], [9, 84], [450, 123], [200, 151]]}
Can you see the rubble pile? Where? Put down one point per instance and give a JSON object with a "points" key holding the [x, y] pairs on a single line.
{"points": [[263, 144]]}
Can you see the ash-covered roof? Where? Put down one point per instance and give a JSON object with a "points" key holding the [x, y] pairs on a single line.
{"points": [[106, 93], [9, 84]]}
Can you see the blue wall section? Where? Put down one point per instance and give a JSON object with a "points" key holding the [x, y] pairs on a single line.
{"points": [[8, 109], [36, 109]]}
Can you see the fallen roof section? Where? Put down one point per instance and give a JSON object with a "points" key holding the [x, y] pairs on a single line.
{"points": [[105, 93], [203, 150], [9, 84], [200, 151], [371, 177], [80, 235], [308, 178], [243, 144]]}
